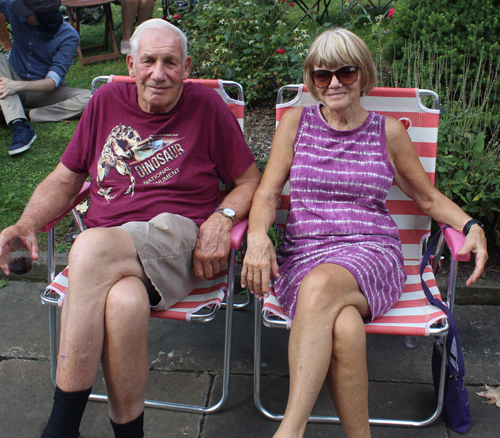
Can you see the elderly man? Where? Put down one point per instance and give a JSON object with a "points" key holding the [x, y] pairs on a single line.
{"points": [[33, 75], [157, 228]]}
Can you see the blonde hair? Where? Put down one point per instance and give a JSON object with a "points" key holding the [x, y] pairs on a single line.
{"points": [[337, 47]]}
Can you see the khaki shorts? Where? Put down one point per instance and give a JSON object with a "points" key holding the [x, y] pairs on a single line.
{"points": [[165, 248]]}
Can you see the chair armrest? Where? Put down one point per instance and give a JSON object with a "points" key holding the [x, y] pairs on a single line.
{"points": [[455, 241], [237, 233], [84, 192]]}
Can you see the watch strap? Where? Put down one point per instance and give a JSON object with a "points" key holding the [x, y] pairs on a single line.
{"points": [[469, 224], [223, 213]]}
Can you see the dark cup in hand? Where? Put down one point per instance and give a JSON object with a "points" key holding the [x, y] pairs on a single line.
{"points": [[18, 255]]}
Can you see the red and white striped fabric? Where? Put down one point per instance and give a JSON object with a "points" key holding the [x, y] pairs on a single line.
{"points": [[237, 106], [412, 314], [207, 294]]}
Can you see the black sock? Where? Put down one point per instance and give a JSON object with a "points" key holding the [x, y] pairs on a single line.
{"points": [[67, 413], [133, 429], [18, 122]]}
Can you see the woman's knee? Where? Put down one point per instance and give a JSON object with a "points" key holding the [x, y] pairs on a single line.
{"points": [[323, 289], [348, 331]]}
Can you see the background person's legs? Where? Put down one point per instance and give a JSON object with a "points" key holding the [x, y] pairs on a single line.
{"points": [[53, 106], [142, 9], [12, 107], [13, 112]]}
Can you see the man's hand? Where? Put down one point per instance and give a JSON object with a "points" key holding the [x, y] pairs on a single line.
{"points": [[11, 233], [212, 247], [9, 87]]}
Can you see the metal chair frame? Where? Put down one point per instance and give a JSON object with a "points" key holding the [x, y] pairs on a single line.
{"points": [[440, 330], [52, 302]]}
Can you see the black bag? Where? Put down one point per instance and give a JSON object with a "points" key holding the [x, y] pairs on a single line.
{"points": [[456, 400]]}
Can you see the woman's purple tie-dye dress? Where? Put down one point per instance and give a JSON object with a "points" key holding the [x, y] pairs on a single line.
{"points": [[339, 182]]}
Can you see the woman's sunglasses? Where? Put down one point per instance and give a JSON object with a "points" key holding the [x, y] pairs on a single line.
{"points": [[347, 75]]}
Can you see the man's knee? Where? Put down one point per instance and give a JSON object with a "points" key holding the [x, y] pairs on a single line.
{"points": [[93, 244], [128, 298]]}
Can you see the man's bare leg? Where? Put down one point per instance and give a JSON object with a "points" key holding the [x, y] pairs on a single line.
{"points": [[99, 259], [125, 356], [105, 276]]}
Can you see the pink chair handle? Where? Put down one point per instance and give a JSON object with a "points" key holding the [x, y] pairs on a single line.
{"points": [[237, 233], [455, 241]]}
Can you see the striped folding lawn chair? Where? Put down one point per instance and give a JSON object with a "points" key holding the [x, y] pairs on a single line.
{"points": [[200, 305], [412, 315]]}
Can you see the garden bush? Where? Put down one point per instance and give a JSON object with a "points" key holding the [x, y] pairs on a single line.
{"points": [[468, 160], [456, 29], [245, 41]]}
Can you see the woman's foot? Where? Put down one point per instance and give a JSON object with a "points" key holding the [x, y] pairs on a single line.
{"points": [[125, 47]]}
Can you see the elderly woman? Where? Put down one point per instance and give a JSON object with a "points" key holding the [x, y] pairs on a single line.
{"points": [[340, 262]]}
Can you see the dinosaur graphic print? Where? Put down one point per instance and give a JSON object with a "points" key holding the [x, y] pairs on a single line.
{"points": [[125, 152]]}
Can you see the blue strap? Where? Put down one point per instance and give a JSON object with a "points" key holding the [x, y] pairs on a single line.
{"points": [[456, 368]]}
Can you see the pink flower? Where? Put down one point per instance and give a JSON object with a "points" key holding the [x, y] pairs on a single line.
{"points": [[391, 13], [292, 4], [176, 17], [281, 51]]}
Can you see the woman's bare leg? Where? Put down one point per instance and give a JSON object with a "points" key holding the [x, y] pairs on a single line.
{"points": [[347, 379], [145, 10], [323, 293]]}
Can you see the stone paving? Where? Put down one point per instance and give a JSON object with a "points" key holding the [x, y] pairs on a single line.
{"points": [[186, 360]]}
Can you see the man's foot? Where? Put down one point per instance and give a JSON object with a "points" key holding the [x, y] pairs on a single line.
{"points": [[24, 136], [125, 47]]}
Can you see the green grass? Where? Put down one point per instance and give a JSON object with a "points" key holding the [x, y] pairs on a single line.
{"points": [[21, 174]]}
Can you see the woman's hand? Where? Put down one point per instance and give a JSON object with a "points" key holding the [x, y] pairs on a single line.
{"points": [[260, 260], [475, 242]]}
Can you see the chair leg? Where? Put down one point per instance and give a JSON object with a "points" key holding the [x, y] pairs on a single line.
{"points": [[331, 419], [53, 342]]}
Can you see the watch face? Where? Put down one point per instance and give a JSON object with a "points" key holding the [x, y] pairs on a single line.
{"points": [[229, 212]]}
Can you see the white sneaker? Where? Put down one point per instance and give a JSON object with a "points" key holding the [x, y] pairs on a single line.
{"points": [[125, 47]]}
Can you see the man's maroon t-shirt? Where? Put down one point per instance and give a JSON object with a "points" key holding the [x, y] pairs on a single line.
{"points": [[144, 164]]}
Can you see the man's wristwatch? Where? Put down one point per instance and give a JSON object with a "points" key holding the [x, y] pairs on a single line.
{"points": [[469, 224], [227, 212]]}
